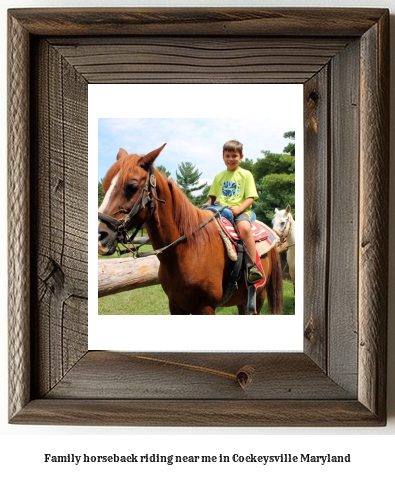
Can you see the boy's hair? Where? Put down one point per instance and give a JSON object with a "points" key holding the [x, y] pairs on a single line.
{"points": [[233, 146]]}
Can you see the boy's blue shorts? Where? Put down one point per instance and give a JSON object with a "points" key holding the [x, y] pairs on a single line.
{"points": [[226, 212]]}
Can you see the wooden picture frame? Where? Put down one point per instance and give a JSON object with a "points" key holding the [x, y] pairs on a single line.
{"points": [[342, 58]]}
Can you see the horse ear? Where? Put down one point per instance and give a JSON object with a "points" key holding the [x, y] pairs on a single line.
{"points": [[275, 210], [148, 160], [121, 153], [288, 210]]}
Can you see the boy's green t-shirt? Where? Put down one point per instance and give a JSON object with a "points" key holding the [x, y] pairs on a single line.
{"points": [[232, 188]]}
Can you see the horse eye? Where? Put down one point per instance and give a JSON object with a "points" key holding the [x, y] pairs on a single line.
{"points": [[132, 187]]}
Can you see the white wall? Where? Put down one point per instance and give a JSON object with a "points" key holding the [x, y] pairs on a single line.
{"points": [[367, 446]]}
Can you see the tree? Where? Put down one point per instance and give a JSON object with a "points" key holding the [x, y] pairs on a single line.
{"points": [[202, 198], [188, 178], [273, 163], [247, 164], [101, 192], [275, 191], [164, 171], [274, 176], [290, 148]]}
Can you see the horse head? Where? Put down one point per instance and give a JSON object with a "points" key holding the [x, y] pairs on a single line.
{"points": [[128, 200], [282, 221]]}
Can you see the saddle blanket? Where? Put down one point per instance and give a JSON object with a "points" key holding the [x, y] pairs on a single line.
{"points": [[264, 237]]}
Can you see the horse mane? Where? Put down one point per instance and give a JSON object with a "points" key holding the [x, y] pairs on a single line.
{"points": [[188, 217]]}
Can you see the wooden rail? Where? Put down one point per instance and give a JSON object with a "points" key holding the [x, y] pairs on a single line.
{"points": [[120, 275]]}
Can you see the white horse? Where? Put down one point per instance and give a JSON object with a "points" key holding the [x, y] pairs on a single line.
{"points": [[284, 226]]}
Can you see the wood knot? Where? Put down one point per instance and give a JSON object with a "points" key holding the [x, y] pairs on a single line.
{"points": [[245, 376], [54, 276], [308, 332], [59, 185], [313, 96]]}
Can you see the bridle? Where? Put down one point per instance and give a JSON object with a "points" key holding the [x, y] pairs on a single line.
{"points": [[121, 225], [283, 237]]}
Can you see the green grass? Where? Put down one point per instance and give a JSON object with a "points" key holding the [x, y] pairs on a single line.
{"points": [[153, 301], [145, 301]]}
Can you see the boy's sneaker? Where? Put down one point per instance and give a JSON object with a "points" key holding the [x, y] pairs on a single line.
{"points": [[254, 275]]}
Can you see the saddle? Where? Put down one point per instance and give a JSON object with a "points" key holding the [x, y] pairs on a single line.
{"points": [[259, 230], [264, 238]]}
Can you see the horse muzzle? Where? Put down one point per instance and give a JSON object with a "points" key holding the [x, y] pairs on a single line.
{"points": [[106, 251], [107, 241], [102, 250]]}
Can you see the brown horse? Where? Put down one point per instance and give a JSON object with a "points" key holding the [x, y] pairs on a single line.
{"points": [[194, 271]]}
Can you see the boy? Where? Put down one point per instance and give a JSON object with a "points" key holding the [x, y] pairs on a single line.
{"points": [[235, 189]]}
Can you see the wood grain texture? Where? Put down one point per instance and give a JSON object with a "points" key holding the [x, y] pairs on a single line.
{"points": [[344, 217], [314, 388], [316, 214], [284, 376], [202, 413], [18, 214], [374, 216], [120, 275], [259, 22], [60, 228], [192, 60]]}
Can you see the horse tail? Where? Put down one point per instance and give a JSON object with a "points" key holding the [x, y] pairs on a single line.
{"points": [[275, 284]]}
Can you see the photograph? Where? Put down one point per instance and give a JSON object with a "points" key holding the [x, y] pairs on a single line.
{"points": [[205, 223]]}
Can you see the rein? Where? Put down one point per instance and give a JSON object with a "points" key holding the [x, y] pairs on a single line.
{"points": [[158, 251], [121, 224], [288, 247]]}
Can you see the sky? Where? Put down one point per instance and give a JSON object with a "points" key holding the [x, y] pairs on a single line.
{"points": [[193, 122], [197, 140]]}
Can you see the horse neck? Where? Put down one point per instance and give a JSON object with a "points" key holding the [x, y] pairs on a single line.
{"points": [[162, 227], [292, 232]]}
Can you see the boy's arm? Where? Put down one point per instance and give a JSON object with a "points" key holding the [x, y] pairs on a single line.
{"points": [[239, 209], [210, 201]]}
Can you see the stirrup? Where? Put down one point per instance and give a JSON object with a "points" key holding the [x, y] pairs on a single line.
{"points": [[254, 275]]}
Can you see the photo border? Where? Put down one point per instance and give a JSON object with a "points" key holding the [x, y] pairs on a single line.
{"points": [[340, 379], [106, 102]]}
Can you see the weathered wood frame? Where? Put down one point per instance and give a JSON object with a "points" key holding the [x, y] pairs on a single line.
{"points": [[342, 57]]}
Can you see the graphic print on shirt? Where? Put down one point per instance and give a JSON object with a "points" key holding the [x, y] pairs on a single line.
{"points": [[230, 189]]}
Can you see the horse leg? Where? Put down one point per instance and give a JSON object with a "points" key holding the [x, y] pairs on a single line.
{"points": [[204, 310], [260, 299], [292, 274], [274, 285], [293, 278], [176, 310], [241, 309]]}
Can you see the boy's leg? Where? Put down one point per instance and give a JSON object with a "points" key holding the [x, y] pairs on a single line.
{"points": [[245, 232]]}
